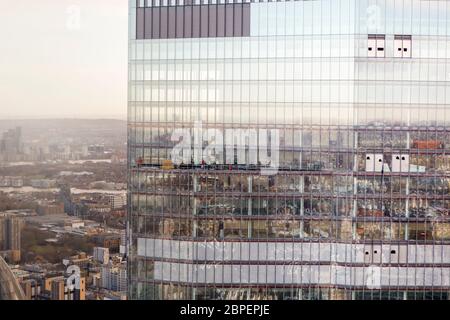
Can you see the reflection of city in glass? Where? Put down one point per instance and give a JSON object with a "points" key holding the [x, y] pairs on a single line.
{"points": [[357, 92]]}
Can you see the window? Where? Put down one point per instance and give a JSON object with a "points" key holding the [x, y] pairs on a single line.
{"points": [[374, 162], [225, 20], [400, 163], [376, 46], [402, 46]]}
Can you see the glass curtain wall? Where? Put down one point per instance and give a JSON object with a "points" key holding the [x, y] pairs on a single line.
{"points": [[356, 94]]}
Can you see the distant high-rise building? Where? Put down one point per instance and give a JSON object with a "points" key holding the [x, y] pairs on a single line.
{"points": [[289, 149], [10, 236], [11, 144], [101, 255], [114, 277], [123, 242]]}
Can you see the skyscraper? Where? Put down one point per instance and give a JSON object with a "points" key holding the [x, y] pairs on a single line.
{"points": [[11, 144], [289, 149], [10, 236]]}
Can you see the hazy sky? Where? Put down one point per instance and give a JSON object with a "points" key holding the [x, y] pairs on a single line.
{"points": [[63, 58]]}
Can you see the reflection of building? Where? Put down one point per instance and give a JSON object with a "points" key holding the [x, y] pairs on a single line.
{"points": [[359, 205], [10, 236]]}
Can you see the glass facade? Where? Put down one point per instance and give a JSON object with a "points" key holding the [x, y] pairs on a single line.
{"points": [[353, 94]]}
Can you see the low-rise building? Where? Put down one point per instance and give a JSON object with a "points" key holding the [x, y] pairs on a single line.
{"points": [[81, 260], [15, 182], [32, 288], [117, 201], [110, 241], [43, 183], [50, 208], [57, 288]]}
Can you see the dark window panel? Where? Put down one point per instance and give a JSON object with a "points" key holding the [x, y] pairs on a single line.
{"points": [[140, 23], [246, 20], [226, 20], [155, 22], [180, 22], [195, 21], [148, 23], [212, 30], [163, 34], [237, 32], [172, 22], [188, 22], [221, 20], [229, 20], [204, 21]]}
